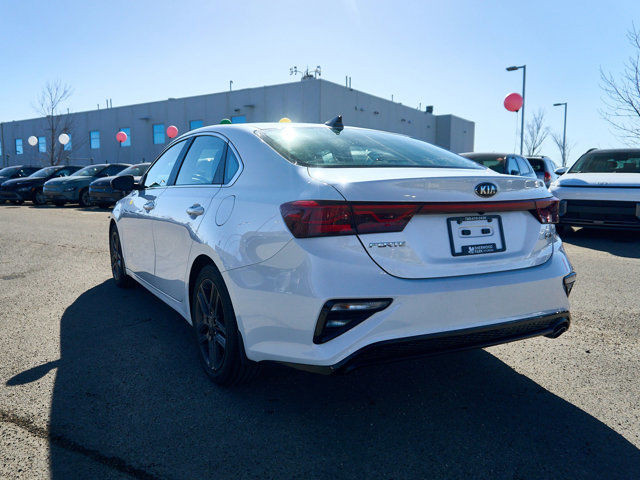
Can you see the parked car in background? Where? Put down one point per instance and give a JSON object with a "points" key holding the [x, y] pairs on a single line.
{"points": [[506, 163], [20, 189], [101, 193], [75, 188], [545, 169], [602, 189], [17, 171], [325, 247]]}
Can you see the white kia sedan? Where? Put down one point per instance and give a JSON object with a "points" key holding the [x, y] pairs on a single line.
{"points": [[326, 247], [602, 189]]}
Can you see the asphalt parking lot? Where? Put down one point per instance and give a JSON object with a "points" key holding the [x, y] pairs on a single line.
{"points": [[97, 382]]}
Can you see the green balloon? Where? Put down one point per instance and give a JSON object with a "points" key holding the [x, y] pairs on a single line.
{"points": [[225, 121]]}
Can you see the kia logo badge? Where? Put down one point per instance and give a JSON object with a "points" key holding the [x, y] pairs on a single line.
{"points": [[485, 190]]}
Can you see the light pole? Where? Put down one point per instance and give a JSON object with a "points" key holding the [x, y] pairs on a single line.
{"points": [[524, 83], [564, 133]]}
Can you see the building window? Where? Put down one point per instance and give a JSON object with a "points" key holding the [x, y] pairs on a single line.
{"points": [[18, 146], [127, 142], [193, 124], [158, 133], [67, 147], [94, 139], [239, 119], [42, 144]]}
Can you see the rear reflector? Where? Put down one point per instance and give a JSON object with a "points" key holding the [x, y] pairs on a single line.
{"points": [[338, 316], [318, 218]]}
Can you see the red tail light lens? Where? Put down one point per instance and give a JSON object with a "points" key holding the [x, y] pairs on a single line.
{"points": [[376, 218], [311, 218], [547, 210], [547, 176]]}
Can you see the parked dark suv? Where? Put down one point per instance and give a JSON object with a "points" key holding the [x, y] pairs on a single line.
{"points": [[20, 189], [545, 169], [507, 163]]}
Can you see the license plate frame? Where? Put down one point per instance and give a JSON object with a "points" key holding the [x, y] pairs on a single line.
{"points": [[478, 248]]}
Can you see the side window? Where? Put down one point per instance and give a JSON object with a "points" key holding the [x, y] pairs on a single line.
{"points": [[158, 174], [65, 172], [231, 167], [512, 166], [202, 162], [525, 169]]}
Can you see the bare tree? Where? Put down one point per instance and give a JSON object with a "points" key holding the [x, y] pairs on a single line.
{"points": [[535, 133], [49, 105], [563, 147], [622, 95]]}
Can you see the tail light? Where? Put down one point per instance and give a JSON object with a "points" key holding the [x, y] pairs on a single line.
{"points": [[547, 210], [547, 177], [312, 218], [318, 218]]}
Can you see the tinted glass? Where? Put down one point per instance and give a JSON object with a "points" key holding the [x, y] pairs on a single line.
{"points": [[202, 161], [614, 162], [537, 164], [89, 171], [497, 163], [323, 147], [5, 172], [512, 167], [44, 172], [231, 166], [159, 173], [135, 170], [523, 165], [65, 172], [112, 170]]}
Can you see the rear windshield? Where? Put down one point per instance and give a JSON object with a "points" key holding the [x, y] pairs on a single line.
{"points": [[537, 165], [497, 163], [352, 147], [601, 162]]}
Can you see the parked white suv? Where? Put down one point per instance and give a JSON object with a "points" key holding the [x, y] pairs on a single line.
{"points": [[325, 247], [602, 189]]}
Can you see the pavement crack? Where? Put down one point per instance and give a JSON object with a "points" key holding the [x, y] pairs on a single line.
{"points": [[61, 441]]}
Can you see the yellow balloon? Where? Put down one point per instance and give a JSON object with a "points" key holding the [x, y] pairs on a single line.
{"points": [[285, 120]]}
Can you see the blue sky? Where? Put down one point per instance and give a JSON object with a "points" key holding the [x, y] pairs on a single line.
{"points": [[450, 54]]}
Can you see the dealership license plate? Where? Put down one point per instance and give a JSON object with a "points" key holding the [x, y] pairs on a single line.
{"points": [[476, 235]]}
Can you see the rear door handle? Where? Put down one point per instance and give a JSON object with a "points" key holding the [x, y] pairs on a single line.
{"points": [[195, 210], [149, 206]]}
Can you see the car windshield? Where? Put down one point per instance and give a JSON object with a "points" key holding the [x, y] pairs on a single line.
{"points": [[496, 162], [89, 171], [5, 172], [135, 170], [44, 172], [613, 162], [351, 147]]}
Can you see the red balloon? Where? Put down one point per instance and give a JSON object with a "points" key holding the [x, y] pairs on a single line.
{"points": [[513, 102], [121, 137], [172, 131]]}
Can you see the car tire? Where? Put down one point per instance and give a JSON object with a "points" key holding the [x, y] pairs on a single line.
{"points": [[215, 330], [118, 269], [59, 204], [83, 198], [39, 198]]}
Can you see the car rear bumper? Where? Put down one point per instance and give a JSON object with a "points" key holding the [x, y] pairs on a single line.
{"points": [[549, 325], [278, 303]]}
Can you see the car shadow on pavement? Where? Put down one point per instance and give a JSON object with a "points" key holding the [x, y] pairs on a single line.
{"points": [[129, 390], [622, 243]]}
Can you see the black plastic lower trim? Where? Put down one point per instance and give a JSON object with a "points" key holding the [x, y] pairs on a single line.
{"points": [[550, 325]]}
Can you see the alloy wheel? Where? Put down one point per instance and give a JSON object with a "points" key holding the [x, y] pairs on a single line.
{"points": [[210, 325]]}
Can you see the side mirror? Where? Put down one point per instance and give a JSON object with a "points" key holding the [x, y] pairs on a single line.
{"points": [[561, 170], [124, 183]]}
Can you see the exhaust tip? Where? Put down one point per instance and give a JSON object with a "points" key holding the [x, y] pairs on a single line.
{"points": [[559, 329]]}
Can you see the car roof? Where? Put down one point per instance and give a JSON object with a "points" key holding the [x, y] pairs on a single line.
{"points": [[497, 154], [615, 150]]}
